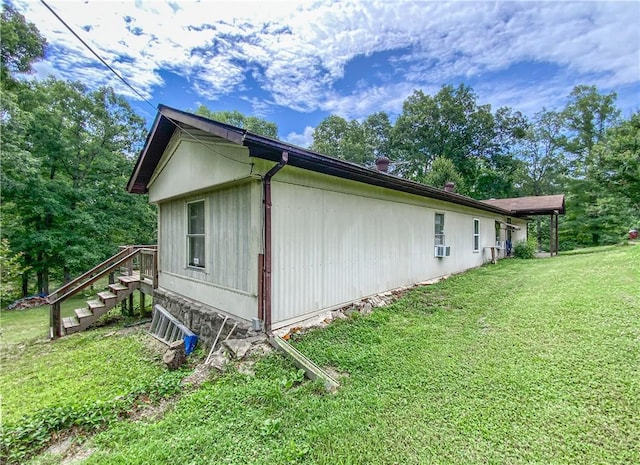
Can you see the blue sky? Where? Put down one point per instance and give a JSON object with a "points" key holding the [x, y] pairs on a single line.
{"points": [[295, 63]]}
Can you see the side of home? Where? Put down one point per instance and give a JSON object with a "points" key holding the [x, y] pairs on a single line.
{"points": [[256, 229]]}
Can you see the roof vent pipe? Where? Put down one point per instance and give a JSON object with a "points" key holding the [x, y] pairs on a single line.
{"points": [[450, 187], [382, 164]]}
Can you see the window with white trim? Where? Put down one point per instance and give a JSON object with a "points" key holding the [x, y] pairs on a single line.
{"points": [[476, 234], [196, 234], [439, 229]]}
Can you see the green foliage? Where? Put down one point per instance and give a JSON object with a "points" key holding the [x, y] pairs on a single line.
{"points": [[78, 384], [353, 141], [452, 125], [525, 249], [442, 171], [235, 118], [10, 271], [64, 175], [615, 164], [587, 116], [21, 44], [491, 366]]}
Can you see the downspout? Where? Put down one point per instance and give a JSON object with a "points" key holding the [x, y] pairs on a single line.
{"points": [[266, 270]]}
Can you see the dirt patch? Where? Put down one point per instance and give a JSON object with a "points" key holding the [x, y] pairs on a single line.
{"points": [[335, 373], [152, 412], [201, 373], [70, 448]]}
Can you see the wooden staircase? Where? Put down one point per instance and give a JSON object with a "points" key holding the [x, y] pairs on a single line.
{"points": [[137, 266], [86, 316]]}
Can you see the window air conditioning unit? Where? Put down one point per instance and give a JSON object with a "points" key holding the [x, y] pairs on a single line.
{"points": [[443, 251]]}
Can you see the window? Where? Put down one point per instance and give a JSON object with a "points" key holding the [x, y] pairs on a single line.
{"points": [[476, 234], [195, 234], [439, 229]]}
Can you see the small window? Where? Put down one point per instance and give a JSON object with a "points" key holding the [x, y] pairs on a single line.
{"points": [[476, 235], [439, 229], [195, 234]]}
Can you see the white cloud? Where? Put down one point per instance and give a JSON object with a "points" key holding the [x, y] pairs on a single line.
{"points": [[301, 140], [297, 52]]}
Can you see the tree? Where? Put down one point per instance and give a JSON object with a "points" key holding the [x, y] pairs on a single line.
{"points": [[21, 44], [542, 154], [595, 215], [64, 177], [11, 269], [443, 171], [605, 202], [588, 115], [499, 170], [451, 124], [337, 137], [616, 161], [376, 129], [235, 118], [353, 141]]}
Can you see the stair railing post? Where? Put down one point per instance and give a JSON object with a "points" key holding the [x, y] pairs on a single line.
{"points": [[155, 269], [54, 321]]}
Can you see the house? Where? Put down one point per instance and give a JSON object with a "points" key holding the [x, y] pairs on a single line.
{"points": [[266, 233]]}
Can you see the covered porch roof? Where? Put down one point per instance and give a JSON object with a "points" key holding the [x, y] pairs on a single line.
{"points": [[534, 205]]}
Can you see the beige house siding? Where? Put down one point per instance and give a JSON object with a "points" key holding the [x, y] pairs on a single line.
{"points": [[335, 241], [229, 279], [188, 166]]}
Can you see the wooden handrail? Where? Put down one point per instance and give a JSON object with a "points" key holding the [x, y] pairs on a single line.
{"points": [[123, 251], [126, 255], [95, 278], [75, 281]]}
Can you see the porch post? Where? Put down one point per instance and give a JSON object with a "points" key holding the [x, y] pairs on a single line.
{"points": [[557, 247]]}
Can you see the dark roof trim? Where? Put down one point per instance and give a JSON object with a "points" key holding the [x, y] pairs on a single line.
{"points": [[533, 205], [167, 119], [270, 149]]}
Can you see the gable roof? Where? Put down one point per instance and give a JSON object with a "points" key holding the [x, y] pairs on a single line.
{"points": [[535, 205], [169, 119]]}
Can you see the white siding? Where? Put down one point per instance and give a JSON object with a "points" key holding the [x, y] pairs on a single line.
{"points": [[188, 166], [232, 237], [341, 240]]}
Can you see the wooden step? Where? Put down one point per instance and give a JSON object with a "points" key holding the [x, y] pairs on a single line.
{"points": [[130, 281], [106, 295], [95, 305], [83, 313], [70, 322], [118, 287]]}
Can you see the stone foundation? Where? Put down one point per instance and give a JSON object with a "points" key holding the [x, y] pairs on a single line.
{"points": [[203, 320]]}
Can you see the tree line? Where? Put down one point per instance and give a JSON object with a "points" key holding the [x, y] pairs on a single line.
{"points": [[585, 150], [68, 151]]}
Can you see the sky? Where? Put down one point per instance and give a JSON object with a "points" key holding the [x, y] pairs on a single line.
{"points": [[295, 63]]}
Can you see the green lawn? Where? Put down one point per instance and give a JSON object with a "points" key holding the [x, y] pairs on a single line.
{"points": [[23, 326], [521, 362]]}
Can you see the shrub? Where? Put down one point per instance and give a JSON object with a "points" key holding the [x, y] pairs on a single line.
{"points": [[524, 249]]}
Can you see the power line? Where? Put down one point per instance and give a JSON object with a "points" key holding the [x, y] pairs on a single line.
{"points": [[139, 94], [96, 55]]}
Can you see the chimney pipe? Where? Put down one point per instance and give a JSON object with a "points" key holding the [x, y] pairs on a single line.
{"points": [[450, 187], [382, 164]]}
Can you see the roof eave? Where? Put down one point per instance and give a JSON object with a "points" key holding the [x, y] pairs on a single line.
{"points": [[266, 148], [270, 149]]}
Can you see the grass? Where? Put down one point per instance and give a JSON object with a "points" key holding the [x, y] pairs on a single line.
{"points": [[527, 361], [29, 325]]}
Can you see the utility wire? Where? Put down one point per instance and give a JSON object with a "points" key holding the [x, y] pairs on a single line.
{"points": [[139, 94], [96, 55]]}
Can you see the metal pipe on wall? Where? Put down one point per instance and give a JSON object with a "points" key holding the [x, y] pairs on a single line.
{"points": [[265, 297]]}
